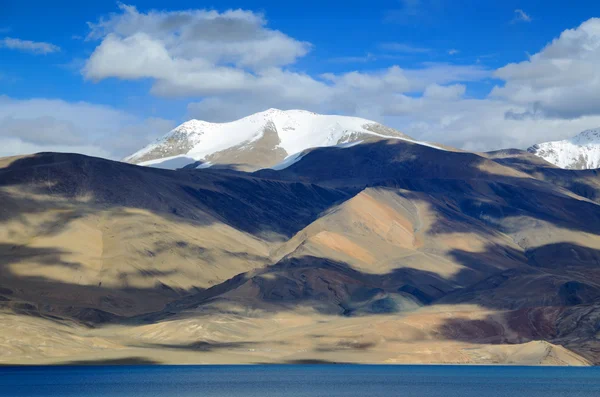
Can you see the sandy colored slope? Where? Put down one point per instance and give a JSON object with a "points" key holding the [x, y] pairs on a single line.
{"points": [[127, 261], [415, 256], [124, 247], [74, 253], [381, 230], [418, 337], [81, 234]]}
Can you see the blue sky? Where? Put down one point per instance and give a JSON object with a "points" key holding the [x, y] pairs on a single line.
{"points": [[469, 73]]}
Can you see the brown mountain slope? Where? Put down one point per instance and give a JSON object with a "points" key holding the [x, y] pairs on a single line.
{"points": [[108, 236], [386, 251]]}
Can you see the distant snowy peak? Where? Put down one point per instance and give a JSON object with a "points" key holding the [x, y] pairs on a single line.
{"points": [[587, 136], [580, 152], [257, 141]]}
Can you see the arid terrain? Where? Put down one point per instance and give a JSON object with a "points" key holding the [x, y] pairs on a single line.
{"points": [[382, 252]]}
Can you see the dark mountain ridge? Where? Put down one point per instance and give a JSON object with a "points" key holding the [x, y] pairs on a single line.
{"points": [[387, 230]]}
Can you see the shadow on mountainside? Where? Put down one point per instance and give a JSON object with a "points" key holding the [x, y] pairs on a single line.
{"points": [[528, 303], [113, 361], [41, 296], [481, 193], [336, 288], [579, 182], [478, 181], [374, 162], [574, 327], [479, 187], [84, 185], [200, 346]]}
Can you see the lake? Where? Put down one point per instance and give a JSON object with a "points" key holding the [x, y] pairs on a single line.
{"points": [[300, 380]]}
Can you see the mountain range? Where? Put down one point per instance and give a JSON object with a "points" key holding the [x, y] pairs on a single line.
{"points": [[294, 237], [267, 139]]}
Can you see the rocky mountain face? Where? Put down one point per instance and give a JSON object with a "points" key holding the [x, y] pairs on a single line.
{"points": [[260, 140], [579, 153], [388, 251]]}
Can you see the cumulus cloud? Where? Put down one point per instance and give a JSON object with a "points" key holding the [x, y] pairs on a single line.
{"points": [[478, 124], [206, 53], [197, 51], [235, 36], [552, 95], [366, 94], [445, 73], [561, 81], [40, 130], [34, 125], [233, 64], [436, 91], [237, 65], [35, 47]]}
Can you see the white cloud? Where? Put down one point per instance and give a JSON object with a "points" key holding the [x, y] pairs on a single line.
{"points": [[28, 46], [436, 91], [521, 16], [444, 73], [477, 124], [232, 37], [42, 130], [562, 80], [453, 51], [176, 47], [233, 60], [553, 95], [367, 94], [34, 125], [393, 79], [550, 96], [403, 47], [197, 53]]}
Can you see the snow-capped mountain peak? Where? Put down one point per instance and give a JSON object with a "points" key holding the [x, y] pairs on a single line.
{"points": [[587, 136], [580, 152], [260, 140]]}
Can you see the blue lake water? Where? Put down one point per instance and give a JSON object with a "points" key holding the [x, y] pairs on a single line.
{"points": [[300, 380]]}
